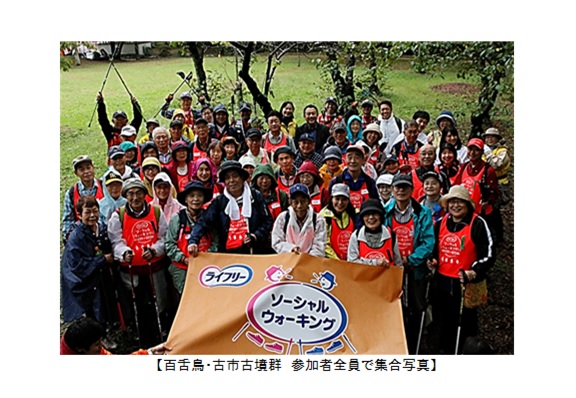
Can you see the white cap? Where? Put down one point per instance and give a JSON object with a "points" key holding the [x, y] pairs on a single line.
{"points": [[247, 161], [384, 179], [341, 190], [128, 131]]}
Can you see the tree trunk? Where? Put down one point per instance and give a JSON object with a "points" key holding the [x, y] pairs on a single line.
{"points": [[251, 84], [197, 54], [486, 101], [343, 85]]}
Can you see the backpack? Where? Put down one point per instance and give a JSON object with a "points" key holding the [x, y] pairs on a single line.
{"points": [[121, 211], [288, 218]]}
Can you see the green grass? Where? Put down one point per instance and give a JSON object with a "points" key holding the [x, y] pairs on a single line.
{"points": [[296, 79]]}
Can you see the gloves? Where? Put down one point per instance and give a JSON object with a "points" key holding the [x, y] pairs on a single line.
{"points": [[487, 150]]}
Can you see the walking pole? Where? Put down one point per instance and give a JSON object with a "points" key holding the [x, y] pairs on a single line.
{"points": [[462, 291], [185, 79], [134, 299], [248, 232], [423, 314], [102, 88], [126, 87], [118, 306], [154, 297]]}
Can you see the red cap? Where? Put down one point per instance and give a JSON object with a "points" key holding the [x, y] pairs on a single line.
{"points": [[476, 142]]}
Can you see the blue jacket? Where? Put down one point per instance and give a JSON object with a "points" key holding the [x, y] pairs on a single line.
{"points": [[214, 219], [424, 238], [81, 276]]}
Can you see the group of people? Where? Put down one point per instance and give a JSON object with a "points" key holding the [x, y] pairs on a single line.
{"points": [[359, 187]]}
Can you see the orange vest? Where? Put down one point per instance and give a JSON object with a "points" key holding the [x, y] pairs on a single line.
{"points": [[384, 251], [357, 197], [198, 153], [189, 118], [275, 207], [340, 238], [455, 249], [409, 158], [138, 234], [316, 200], [418, 190], [404, 235], [183, 237], [237, 232], [472, 184], [271, 148], [285, 188], [215, 193], [76, 196], [373, 160], [182, 181]]}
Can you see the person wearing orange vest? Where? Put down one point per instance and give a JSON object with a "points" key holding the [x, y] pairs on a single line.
{"points": [[427, 157], [286, 173], [119, 120], [308, 175], [186, 108], [255, 150], [373, 243], [239, 216], [407, 150], [463, 253], [412, 225], [204, 170], [362, 187], [180, 169], [88, 185], [341, 222], [449, 164], [482, 183], [202, 141], [299, 229], [330, 115], [137, 232], [275, 137], [193, 197], [372, 135], [264, 180]]}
